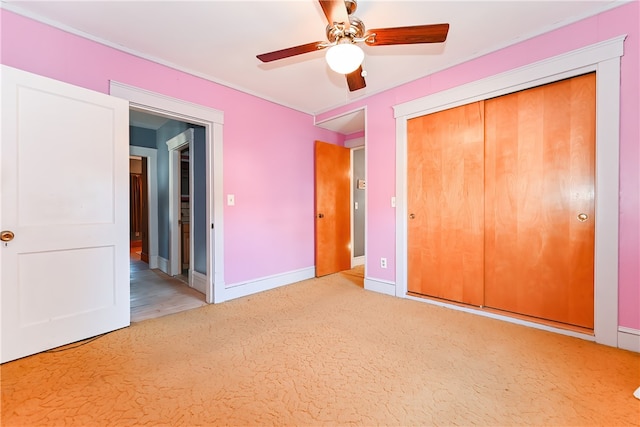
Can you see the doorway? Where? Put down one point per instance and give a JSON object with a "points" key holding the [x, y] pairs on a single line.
{"points": [[185, 214], [138, 208], [340, 206], [358, 205], [155, 293], [353, 126], [211, 122], [149, 157]]}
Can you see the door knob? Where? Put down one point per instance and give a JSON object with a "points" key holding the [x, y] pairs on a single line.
{"points": [[320, 215], [6, 236], [583, 217], [412, 216]]}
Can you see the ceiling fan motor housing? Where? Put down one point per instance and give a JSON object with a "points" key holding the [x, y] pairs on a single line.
{"points": [[336, 32]]}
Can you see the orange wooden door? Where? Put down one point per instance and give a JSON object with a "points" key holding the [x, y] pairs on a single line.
{"points": [[445, 203], [333, 213], [539, 173]]}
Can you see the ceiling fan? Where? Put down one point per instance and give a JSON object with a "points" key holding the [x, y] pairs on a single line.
{"points": [[345, 30]]}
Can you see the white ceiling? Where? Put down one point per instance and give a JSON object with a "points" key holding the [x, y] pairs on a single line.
{"points": [[145, 120], [219, 40]]}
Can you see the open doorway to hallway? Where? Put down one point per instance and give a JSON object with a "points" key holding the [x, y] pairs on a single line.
{"points": [[153, 292]]}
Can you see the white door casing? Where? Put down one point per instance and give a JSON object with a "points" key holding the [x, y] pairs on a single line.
{"points": [[175, 146], [213, 122], [65, 196], [604, 59]]}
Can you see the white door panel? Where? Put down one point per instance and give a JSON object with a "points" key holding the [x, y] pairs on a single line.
{"points": [[65, 275], [90, 164]]}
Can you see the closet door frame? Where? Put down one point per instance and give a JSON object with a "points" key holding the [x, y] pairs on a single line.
{"points": [[604, 59]]}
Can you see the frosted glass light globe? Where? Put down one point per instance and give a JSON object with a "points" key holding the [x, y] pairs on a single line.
{"points": [[344, 58]]}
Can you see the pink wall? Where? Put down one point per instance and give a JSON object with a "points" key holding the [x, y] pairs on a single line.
{"points": [[268, 149], [381, 138], [354, 135], [270, 230]]}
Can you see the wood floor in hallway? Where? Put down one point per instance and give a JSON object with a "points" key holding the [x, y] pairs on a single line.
{"points": [[155, 294]]}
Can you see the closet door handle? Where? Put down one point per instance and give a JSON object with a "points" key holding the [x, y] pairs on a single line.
{"points": [[412, 216], [583, 217]]}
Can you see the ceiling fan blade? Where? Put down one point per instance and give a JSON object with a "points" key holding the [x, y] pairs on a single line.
{"points": [[335, 11], [355, 80], [291, 51], [436, 33]]}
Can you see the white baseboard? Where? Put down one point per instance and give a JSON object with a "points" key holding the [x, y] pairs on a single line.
{"points": [[359, 260], [629, 339], [163, 265], [381, 286], [153, 261], [478, 312], [198, 281], [243, 289]]}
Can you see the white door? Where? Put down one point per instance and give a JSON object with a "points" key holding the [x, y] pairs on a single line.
{"points": [[64, 163]]}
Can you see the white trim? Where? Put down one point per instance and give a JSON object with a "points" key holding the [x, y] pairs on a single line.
{"points": [[180, 140], [402, 252], [366, 188], [152, 186], [342, 114], [213, 121], [163, 265], [154, 260], [175, 145], [167, 106], [538, 73], [359, 260], [243, 289], [198, 281], [604, 58], [380, 286], [215, 213], [352, 207], [514, 320], [629, 339], [355, 143]]}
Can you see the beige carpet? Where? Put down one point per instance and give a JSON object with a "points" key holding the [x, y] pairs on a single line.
{"points": [[324, 352]]}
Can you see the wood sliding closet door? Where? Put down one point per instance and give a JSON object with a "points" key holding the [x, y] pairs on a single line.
{"points": [[539, 174], [445, 162]]}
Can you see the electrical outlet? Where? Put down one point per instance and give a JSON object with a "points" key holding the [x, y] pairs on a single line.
{"points": [[383, 263]]}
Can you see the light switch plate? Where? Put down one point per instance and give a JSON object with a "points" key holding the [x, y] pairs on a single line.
{"points": [[231, 200]]}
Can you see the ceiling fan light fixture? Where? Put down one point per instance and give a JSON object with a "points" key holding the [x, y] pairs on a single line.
{"points": [[345, 57]]}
